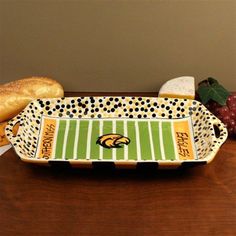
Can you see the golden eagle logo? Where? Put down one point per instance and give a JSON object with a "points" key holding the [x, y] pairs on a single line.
{"points": [[112, 140]]}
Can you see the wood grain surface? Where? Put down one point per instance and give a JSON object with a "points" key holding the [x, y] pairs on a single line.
{"points": [[36, 200]]}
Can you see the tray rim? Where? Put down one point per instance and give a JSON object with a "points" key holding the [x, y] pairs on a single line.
{"points": [[210, 156]]}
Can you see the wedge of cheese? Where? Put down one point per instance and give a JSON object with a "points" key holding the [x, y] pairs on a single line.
{"points": [[181, 87]]}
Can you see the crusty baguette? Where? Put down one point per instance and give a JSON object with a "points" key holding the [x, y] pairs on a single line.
{"points": [[16, 95]]}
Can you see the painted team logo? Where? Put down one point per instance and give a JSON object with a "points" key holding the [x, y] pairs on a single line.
{"points": [[112, 140]]}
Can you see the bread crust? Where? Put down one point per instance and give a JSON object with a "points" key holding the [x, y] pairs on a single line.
{"points": [[16, 95]]}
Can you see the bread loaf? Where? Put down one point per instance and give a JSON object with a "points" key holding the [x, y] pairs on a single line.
{"points": [[16, 95]]}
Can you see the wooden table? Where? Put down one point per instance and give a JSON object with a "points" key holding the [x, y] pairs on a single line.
{"points": [[37, 200]]}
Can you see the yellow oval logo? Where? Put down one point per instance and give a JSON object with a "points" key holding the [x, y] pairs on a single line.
{"points": [[112, 140]]}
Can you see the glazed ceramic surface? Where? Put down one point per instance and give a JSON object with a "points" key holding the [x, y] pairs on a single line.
{"points": [[122, 131]]}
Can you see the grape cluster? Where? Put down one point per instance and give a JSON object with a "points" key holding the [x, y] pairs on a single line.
{"points": [[227, 113]]}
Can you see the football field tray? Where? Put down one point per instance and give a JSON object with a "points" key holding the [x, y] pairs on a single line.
{"points": [[124, 131]]}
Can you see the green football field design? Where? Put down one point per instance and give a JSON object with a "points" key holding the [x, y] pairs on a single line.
{"points": [[140, 139]]}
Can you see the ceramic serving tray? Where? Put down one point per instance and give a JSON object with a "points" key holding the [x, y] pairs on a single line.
{"points": [[122, 131]]}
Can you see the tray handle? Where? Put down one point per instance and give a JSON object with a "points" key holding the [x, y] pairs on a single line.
{"points": [[11, 131], [220, 131]]}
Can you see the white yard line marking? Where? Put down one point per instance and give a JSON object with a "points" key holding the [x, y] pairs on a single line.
{"points": [[114, 131], [100, 134], [137, 141], [75, 152], [161, 141], [151, 141], [65, 140], [125, 146], [88, 149]]}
